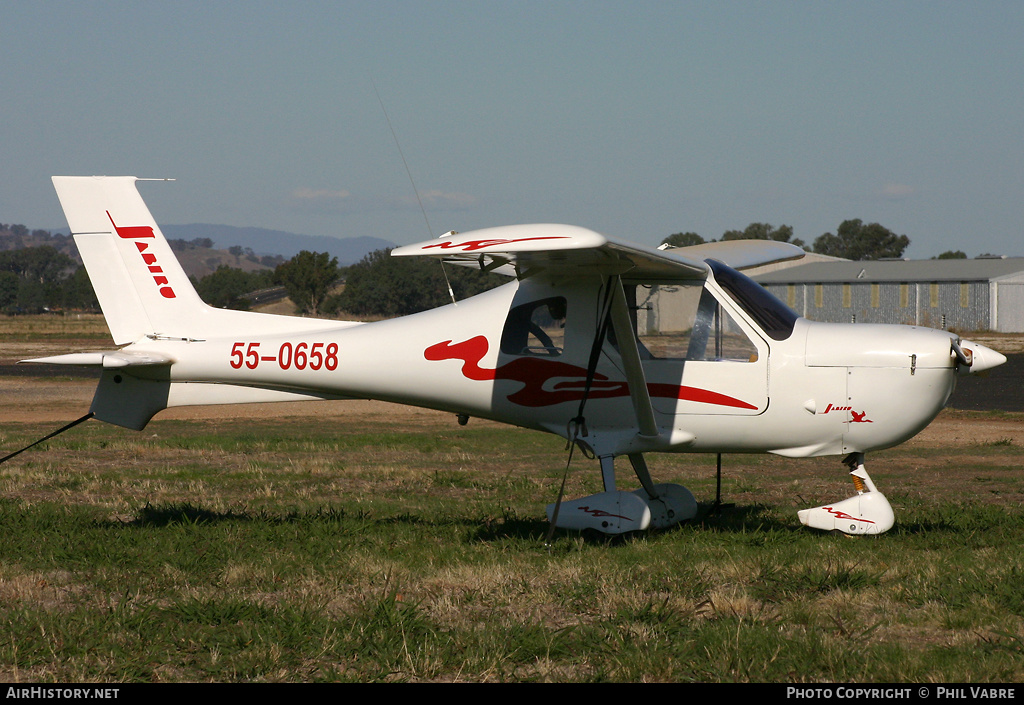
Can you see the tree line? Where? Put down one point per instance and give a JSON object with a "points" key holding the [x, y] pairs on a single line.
{"points": [[377, 285], [854, 239], [39, 278], [36, 279]]}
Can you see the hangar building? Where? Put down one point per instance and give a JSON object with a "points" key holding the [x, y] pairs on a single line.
{"points": [[963, 294]]}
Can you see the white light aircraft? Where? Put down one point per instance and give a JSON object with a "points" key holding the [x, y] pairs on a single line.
{"points": [[621, 349]]}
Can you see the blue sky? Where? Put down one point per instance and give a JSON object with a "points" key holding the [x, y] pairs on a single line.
{"points": [[636, 119]]}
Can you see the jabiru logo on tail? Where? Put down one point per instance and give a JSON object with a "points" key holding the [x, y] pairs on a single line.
{"points": [[138, 233]]}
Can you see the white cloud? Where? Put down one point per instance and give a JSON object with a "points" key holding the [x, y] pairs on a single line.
{"points": [[322, 195], [897, 192], [441, 199]]}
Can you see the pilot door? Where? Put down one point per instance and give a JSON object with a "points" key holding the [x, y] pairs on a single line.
{"points": [[697, 356]]}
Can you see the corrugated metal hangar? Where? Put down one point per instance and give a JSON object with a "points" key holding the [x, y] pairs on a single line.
{"points": [[963, 294]]}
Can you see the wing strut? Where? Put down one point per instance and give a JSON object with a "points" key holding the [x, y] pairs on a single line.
{"points": [[626, 338], [579, 423]]}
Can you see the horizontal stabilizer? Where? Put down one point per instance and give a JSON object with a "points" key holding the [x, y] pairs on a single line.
{"points": [[109, 360]]}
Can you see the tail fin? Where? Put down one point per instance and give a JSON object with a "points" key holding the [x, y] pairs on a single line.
{"points": [[145, 294], [140, 285]]}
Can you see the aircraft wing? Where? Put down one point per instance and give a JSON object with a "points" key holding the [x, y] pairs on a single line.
{"points": [[742, 254], [528, 250]]}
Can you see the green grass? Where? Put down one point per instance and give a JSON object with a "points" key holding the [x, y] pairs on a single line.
{"points": [[312, 551]]}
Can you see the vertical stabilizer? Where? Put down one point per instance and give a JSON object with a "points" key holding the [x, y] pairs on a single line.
{"points": [[140, 285]]}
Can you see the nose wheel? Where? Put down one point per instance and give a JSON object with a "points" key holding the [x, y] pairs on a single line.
{"points": [[867, 512]]}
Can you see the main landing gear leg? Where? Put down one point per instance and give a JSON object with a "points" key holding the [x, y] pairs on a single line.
{"points": [[617, 512], [867, 512]]}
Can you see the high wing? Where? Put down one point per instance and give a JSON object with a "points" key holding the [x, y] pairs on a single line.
{"points": [[529, 250], [741, 254]]}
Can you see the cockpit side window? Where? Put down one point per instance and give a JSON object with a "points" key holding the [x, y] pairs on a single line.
{"points": [[684, 321], [774, 317], [536, 328]]}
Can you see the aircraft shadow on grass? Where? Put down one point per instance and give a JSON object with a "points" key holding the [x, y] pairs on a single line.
{"points": [[730, 518]]}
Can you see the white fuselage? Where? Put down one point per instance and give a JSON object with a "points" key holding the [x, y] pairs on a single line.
{"points": [[824, 389]]}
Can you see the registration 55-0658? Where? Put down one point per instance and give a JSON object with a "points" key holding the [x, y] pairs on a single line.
{"points": [[288, 356]]}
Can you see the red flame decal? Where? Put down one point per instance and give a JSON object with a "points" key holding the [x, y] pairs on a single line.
{"points": [[473, 245], [843, 515], [539, 376], [600, 513]]}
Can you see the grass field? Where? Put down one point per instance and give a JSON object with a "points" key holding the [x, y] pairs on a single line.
{"points": [[375, 545], [298, 550]]}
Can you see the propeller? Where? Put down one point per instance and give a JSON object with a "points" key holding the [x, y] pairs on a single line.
{"points": [[975, 356]]}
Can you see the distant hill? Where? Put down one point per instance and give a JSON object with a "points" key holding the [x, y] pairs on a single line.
{"points": [[196, 260], [262, 241], [201, 248], [15, 237], [199, 261]]}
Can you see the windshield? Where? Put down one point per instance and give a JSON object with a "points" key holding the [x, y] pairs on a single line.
{"points": [[774, 317]]}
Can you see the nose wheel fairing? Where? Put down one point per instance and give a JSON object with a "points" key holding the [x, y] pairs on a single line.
{"points": [[866, 513]]}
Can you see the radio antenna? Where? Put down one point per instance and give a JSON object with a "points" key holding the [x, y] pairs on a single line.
{"points": [[412, 181]]}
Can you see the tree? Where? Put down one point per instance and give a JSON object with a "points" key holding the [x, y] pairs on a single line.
{"points": [[44, 265], [225, 287], [382, 285], [683, 240], [34, 278], [952, 254], [33, 296], [764, 231], [78, 293], [9, 284], [308, 277], [857, 241]]}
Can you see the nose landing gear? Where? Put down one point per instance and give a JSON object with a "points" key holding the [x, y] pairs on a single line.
{"points": [[867, 512]]}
